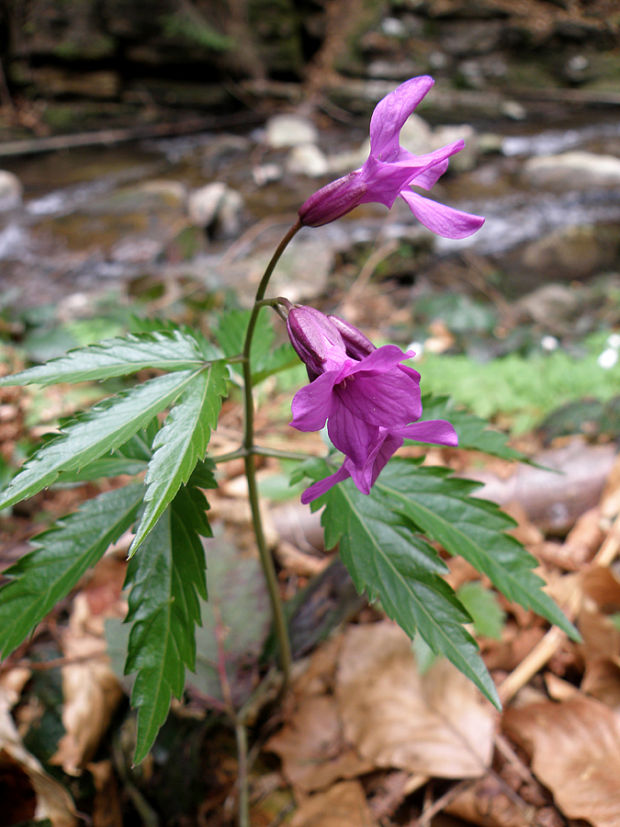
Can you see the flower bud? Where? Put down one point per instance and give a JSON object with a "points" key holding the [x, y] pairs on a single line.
{"points": [[315, 338], [333, 200], [356, 343]]}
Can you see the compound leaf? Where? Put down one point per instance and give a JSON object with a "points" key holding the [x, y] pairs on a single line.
{"points": [[395, 565], [168, 351], [181, 443], [166, 577], [445, 510], [61, 556], [94, 433]]}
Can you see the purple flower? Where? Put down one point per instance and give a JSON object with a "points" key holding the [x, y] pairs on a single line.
{"points": [[369, 400], [390, 169]]}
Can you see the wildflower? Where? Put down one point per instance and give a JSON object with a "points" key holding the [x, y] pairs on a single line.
{"points": [[369, 400], [390, 169]]}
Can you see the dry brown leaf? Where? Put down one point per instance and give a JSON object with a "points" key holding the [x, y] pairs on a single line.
{"points": [[583, 539], [107, 810], [90, 688], [343, 805], [312, 748], [52, 800], [437, 724], [575, 752], [488, 804], [602, 681]]}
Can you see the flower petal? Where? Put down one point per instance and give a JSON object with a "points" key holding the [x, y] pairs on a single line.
{"points": [[439, 218], [429, 177], [313, 403], [379, 392], [391, 113], [351, 434], [319, 488], [435, 431]]}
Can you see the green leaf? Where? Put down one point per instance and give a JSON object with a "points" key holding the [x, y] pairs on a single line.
{"points": [[169, 351], [94, 433], [473, 432], [61, 556], [113, 466], [181, 443], [398, 567], [442, 507], [264, 359], [482, 605], [167, 578]]}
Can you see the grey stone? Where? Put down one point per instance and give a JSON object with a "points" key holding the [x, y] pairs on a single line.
{"points": [[307, 159], [216, 206], [10, 191], [466, 159], [572, 170], [289, 130]]}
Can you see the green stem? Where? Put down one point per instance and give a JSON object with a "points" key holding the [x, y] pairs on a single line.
{"points": [[279, 620]]}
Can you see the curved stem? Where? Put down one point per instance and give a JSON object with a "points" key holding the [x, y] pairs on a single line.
{"points": [[279, 620]]}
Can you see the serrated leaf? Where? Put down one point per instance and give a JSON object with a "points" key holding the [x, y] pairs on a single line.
{"points": [[473, 432], [94, 433], [482, 605], [169, 351], [104, 467], [181, 443], [62, 554], [166, 578], [265, 361], [443, 508], [398, 567]]}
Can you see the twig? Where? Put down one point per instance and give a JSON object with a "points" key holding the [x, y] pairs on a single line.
{"points": [[551, 642], [442, 802]]}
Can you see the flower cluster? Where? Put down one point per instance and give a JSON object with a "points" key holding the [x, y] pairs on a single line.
{"points": [[369, 399], [390, 170]]}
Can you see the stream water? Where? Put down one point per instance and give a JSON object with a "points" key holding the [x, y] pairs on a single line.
{"points": [[92, 220]]}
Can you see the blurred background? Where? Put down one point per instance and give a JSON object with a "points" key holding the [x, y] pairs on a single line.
{"points": [[152, 154], [155, 152]]}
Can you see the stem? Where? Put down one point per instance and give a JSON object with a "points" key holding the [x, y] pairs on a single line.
{"points": [[242, 774], [279, 620]]}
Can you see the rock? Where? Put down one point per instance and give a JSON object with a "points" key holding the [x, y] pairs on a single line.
{"points": [[289, 130], [303, 271], [266, 174], [10, 191], [466, 159], [416, 136], [573, 252], [216, 207], [552, 305], [307, 159], [342, 162], [572, 170]]}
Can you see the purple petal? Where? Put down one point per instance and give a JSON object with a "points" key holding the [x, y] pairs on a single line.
{"points": [[439, 218], [436, 431], [391, 113], [383, 182], [351, 434], [333, 200], [429, 177], [377, 391], [313, 403], [319, 488]]}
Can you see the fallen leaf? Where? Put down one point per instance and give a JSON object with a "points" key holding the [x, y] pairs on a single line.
{"points": [[437, 724], [90, 688], [575, 751], [488, 804], [51, 799], [312, 748], [343, 805], [602, 681]]}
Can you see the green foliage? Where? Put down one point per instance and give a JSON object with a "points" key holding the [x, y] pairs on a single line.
{"points": [[99, 431], [166, 579], [525, 389], [169, 351], [382, 543], [181, 443], [482, 605], [60, 557], [474, 433], [389, 559], [264, 359]]}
